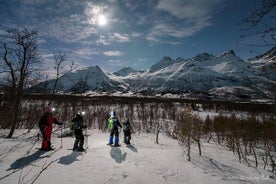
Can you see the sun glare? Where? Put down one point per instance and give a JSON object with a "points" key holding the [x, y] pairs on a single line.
{"points": [[102, 20]]}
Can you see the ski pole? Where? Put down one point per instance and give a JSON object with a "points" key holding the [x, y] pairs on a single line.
{"points": [[120, 137], [61, 137], [86, 141], [132, 138]]}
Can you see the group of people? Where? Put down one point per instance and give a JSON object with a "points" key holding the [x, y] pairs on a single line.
{"points": [[113, 127], [46, 125]]}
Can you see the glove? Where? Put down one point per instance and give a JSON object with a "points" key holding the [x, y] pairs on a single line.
{"points": [[59, 123]]}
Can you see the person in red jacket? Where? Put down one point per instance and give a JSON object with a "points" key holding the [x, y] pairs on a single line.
{"points": [[46, 125]]}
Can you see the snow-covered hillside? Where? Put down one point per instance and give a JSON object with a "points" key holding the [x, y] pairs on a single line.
{"points": [[83, 80], [144, 163], [125, 71], [203, 74], [207, 73], [265, 64]]}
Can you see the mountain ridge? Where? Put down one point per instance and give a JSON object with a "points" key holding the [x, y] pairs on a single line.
{"points": [[204, 76]]}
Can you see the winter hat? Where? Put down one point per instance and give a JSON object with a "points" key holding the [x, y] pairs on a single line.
{"points": [[48, 110], [112, 114]]}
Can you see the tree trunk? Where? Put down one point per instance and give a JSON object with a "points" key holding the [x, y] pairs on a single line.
{"points": [[199, 147], [157, 133], [16, 110], [189, 149]]}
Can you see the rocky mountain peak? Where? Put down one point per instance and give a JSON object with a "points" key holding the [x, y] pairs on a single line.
{"points": [[269, 55], [202, 57], [227, 54], [164, 62], [125, 71]]}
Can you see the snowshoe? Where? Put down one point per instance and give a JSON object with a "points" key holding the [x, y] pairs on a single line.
{"points": [[81, 149], [116, 145], [46, 149]]}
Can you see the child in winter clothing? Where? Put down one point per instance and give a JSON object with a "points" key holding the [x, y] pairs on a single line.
{"points": [[78, 126], [113, 124], [127, 132], [46, 125]]}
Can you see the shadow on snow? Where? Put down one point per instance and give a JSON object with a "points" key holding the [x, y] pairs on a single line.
{"points": [[117, 154], [69, 159], [27, 160]]}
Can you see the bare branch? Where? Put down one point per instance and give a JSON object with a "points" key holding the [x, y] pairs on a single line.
{"points": [[263, 24]]}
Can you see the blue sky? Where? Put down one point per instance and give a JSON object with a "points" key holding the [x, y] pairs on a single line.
{"points": [[137, 33]]}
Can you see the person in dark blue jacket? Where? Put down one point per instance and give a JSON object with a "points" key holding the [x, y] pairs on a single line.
{"points": [[113, 127]]}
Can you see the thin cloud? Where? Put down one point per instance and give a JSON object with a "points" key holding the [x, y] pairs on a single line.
{"points": [[58, 20], [185, 18], [124, 37], [175, 30], [86, 52], [187, 9], [121, 37], [103, 40], [113, 53]]}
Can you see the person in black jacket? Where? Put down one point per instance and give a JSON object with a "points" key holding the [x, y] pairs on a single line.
{"points": [[78, 126], [127, 132]]}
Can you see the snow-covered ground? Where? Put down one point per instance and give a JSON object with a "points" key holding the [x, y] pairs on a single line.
{"points": [[145, 162]]}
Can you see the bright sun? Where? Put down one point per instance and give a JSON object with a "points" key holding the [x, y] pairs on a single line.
{"points": [[102, 20]]}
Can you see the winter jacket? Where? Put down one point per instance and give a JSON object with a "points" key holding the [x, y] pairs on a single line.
{"points": [[127, 128], [78, 123], [113, 124]]}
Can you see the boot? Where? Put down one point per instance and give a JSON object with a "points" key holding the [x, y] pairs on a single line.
{"points": [[80, 149], [116, 141], [110, 140]]}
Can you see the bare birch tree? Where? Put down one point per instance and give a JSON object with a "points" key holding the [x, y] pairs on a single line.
{"points": [[60, 68], [19, 64]]}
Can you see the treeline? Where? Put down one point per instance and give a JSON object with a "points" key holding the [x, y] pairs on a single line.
{"points": [[143, 112], [147, 113], [252, 138]]}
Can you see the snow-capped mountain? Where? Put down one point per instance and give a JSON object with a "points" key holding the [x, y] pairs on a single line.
{"points": [[80, 81], [164, 62], [205, 75], [201, 73], [265, 64], [125, 71]]}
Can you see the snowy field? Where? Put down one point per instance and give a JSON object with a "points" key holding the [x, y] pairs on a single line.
{"points": [[144, 163]]}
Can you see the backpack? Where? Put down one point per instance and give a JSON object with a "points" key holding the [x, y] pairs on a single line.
{"points": [[76, 123], [43, 122], [71, 125], [110, 123]]}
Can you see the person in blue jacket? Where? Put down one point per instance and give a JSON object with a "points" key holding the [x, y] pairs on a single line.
{"points": [[113, 127]]}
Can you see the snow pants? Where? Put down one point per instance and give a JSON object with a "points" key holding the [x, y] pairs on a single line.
{"points": [[79, 141], [116, 139], [46, 134], [127, 137]]}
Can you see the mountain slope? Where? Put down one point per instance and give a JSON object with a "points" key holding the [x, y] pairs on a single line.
{"points": [[265, 64], [202, 72], [164, 62], [222, 76], [80, 81], [125, 71]]}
